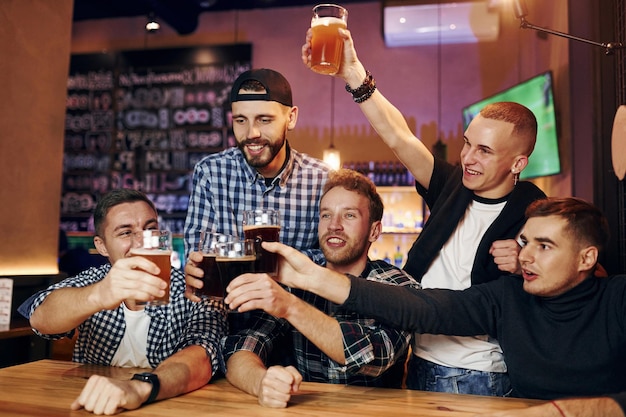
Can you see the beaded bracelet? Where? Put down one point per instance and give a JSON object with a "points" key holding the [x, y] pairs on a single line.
{"points": [[365, 90]]}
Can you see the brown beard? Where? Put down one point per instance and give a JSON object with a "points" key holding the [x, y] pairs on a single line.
{"points": [[261, 162]]}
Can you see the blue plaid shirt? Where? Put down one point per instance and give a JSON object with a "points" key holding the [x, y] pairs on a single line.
{"points": [[224, 185], [371, 348], [173, 326]]}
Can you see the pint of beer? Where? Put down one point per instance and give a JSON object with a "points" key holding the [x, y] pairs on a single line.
{"points": [[212, 285], [233, 259], [156, 246], [263, 225], [326, 45]]}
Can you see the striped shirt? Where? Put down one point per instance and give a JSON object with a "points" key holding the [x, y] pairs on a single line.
{"points": [[173, 327], [370, 347], [224, 185]]}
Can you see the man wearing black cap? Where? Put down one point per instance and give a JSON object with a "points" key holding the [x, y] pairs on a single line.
{"points": [[261, 171]]}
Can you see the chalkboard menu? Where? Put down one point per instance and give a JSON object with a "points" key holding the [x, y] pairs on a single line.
{"points": [[141, 120]]}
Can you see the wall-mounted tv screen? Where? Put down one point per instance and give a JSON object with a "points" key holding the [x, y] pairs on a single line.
{"points": [[537, 94]]}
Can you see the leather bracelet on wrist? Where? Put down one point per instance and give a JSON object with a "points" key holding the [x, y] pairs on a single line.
{"points": [[365, 90]]}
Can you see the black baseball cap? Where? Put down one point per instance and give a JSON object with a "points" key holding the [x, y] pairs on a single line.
{"points": [[277, 87]]}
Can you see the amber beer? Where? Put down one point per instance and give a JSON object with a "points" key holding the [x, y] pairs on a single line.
{"points": [[212, 287], [162, 259], [326, 45], [267, 261], [231, 267]]}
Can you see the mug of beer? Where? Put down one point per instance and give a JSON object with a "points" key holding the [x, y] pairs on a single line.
{"points": [[156, 246], [212, 287], [263, 225], [326, 45], [233, 259]]}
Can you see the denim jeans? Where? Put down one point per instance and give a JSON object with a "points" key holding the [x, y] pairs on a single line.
{"points": [[427, 376]]}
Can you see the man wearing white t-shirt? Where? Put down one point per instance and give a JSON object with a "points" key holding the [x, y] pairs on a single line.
{"points": [[180, 340], [476, 211]]}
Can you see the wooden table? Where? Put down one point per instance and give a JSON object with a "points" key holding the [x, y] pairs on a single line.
{"points": [[47, 388]]}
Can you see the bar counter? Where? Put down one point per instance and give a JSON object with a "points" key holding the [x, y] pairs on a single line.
{"points": [[48, 387]]}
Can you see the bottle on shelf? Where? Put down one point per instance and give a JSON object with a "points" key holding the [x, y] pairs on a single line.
{"points": [[387, 258], [398, 257]]}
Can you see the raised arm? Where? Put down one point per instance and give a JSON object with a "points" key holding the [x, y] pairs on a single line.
{"points": [[259, 291], [64, 308], [298, 271], [365, 347], [384, 117]]}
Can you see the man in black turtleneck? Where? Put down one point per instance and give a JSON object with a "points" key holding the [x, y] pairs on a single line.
{"points": [[561, 328]]}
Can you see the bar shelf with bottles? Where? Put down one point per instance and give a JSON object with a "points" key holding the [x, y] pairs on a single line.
{"points": [[404, 213]]}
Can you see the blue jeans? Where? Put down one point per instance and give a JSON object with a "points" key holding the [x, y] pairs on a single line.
{"points": [[427, 376]]}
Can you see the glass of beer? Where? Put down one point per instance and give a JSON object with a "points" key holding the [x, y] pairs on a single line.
{"points": [[156, 246], [235, 258], [326, 45], [212, 287], [263, 225]]}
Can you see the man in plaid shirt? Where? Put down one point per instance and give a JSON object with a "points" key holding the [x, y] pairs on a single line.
{"points": [[180, 339], [262, 171], [328, 343]]}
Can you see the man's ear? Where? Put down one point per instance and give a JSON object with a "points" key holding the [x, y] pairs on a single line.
{"points": [[375, 230], [521, 161], [100, 246], [293, 118], [588, 258]]}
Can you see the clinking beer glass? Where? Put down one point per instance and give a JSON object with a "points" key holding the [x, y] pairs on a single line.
{"points": [[156, 246], [263, 225], [326, 45], [208, 247], [235, 258]]}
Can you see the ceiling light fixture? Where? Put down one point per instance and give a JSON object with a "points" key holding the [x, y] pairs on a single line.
{"points": [[152, 25], [519, 7]]}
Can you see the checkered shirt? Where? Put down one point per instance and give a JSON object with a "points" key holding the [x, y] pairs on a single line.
{"points": [[174, 326], [224, 185], [370, 347]]}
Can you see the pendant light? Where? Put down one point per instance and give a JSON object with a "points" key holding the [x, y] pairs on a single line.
{"points": [[332, 157]]}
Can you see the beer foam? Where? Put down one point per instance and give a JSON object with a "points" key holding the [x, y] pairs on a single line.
{"points": [[327, 21], [260, 226], [246, 258], [143, 251]]}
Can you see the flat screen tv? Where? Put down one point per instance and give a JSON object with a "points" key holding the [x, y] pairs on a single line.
{"points": [[537, 94]]}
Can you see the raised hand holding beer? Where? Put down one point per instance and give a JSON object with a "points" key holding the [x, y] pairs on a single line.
{"points": [[156, 246], [326, 44]]}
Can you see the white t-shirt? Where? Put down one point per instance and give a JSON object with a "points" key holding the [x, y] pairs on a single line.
{"points": [[131, 352], [452, 269]]}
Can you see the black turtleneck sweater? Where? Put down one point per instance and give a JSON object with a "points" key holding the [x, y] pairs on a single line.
{"points": [[565, 346]]}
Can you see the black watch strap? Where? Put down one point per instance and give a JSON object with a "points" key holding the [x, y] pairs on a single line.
{"points": [[152, 379]]}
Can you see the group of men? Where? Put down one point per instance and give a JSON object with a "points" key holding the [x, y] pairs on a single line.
{"points": [[332, 316]]}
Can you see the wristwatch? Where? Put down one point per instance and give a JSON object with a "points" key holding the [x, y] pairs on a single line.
{"points": [[152, 379]]}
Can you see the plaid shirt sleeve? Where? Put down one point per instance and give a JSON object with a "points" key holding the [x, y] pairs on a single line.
{"points": [[200, 212], [204, 324], [259, 337], [371, 347], [84, 279]]}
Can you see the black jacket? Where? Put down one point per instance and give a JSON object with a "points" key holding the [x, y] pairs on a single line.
{"points": [[448, 200]]}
